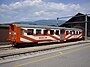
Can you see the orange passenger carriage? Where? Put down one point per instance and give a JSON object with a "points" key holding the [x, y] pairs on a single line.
{"points": [[25, 33]]}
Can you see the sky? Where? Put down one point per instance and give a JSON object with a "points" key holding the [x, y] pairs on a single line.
{"points": [[32, 10]]}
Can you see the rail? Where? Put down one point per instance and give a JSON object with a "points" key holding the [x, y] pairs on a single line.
{"points": [[39, 48]]}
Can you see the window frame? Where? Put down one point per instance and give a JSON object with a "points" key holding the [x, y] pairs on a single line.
{"points": [[51, 32], [57, 32], [76, 32], [38, 30], [80, 32], [67, 32], [71, 32], [30, 32], [22, 32], [45, 33]]}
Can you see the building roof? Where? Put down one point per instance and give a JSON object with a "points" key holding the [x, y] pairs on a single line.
{"points": [[78, 18]]}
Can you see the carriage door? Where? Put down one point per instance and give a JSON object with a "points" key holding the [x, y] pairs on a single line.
{"points": [[12, 32], [62, 34]]}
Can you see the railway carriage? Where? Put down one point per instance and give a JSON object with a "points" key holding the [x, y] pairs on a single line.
{"points": [[25, 33]]}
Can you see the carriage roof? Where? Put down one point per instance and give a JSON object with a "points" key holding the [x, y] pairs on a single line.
{"points": [[43, 26]]}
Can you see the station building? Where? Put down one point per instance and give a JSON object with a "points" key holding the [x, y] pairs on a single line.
{"points": [[4, 32], [78, 21]]}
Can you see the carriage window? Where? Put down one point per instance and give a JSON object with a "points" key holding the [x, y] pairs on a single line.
{"points": [[30, 32], [51, 32], [57, 32], [70, 32], [80, 32], [21, 32], [38, 32], [66, 32], [73, 32], [45, 32], [76, 32]]}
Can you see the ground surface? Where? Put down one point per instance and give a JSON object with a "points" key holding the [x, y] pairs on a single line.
{"points": [[73, 57]]}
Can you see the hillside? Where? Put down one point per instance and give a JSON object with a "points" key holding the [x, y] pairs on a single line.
{"points": [[42, 22]]}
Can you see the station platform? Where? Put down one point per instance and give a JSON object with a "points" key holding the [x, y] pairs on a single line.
{"points": [[37, 48]]}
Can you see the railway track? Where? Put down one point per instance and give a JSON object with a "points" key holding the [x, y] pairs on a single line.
{"points": [[6, 46], [30, 53], [5, 43]]}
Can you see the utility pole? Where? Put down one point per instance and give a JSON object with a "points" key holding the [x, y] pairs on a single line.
{"points": [[86, 27], [57, 21]]}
